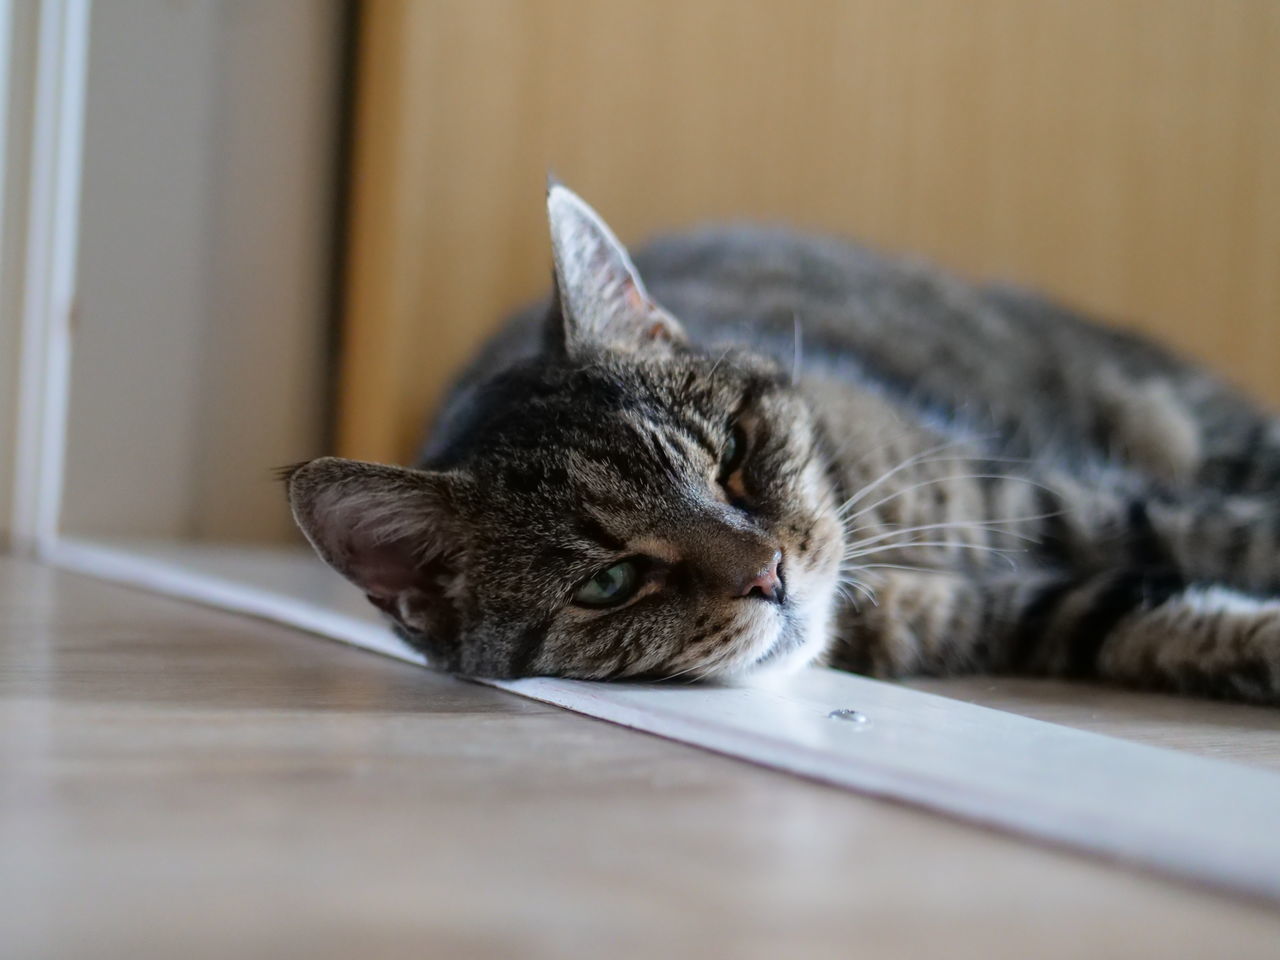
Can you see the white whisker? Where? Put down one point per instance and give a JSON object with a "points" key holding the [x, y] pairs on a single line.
{"points": [[862, 588], [716, 366], [909, 462], [858, 568], [710, 665], [676, 676], [963, 476], [958, 544], [985, 526], [1004, 553], [920, 461]]}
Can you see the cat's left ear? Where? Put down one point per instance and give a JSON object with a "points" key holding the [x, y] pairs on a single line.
{"points": [[602, 301], [393, 532]]}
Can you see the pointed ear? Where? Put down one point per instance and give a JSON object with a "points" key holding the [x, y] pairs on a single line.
{"points": [[391, 531], [602, 301]]}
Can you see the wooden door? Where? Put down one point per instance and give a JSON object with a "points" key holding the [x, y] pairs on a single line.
{"points": [[1124, 155]]}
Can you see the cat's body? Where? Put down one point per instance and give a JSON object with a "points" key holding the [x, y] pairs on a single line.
{"points": [[931, 477]]}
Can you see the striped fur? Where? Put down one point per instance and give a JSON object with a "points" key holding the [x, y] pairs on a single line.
{"points": [[958, 478]]}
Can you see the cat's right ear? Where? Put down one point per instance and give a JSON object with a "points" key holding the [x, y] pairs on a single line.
{"points": [[600, 300], [391, 531]]}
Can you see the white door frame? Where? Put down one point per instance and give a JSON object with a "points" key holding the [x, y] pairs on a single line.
{"points": [[40, 207]]}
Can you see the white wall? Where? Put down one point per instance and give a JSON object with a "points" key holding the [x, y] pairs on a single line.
{"points": [[205, 250]]}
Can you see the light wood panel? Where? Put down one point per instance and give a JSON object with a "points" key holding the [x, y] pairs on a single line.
{"points": [[184, 782], [1123, 154]]}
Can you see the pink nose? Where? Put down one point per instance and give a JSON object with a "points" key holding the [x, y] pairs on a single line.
{"points": [[767, 583]]}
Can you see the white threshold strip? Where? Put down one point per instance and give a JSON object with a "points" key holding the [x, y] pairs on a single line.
{"points": [[1205, 820]]}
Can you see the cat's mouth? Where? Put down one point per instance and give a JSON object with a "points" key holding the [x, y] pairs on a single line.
{"points": [[801, 634]]}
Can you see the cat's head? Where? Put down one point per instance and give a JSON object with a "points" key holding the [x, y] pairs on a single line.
{"points": [[625, 505]]}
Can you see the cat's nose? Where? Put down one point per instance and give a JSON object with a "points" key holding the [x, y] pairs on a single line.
{"points": [[766, 582]]}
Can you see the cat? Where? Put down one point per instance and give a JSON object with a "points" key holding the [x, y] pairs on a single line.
{"points": [[752, 449]]}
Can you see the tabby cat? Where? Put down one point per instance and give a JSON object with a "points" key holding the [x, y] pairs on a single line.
{"points": [[778, 449]]}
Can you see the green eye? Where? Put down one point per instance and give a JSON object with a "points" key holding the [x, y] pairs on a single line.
{"points": [[611, 586], [734, 450]]}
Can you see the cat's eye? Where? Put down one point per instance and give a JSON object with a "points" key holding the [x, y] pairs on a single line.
{"points": [[735, 449], [729, 477], [610, 587]]}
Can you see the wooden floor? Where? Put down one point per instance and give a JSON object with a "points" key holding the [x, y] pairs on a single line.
{"points": [[180, 782]]}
